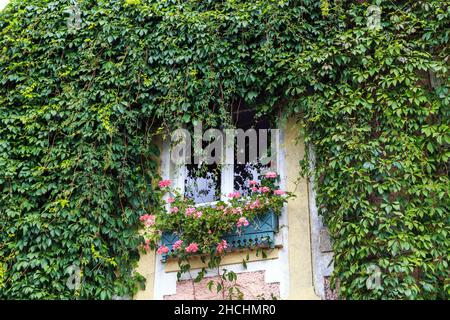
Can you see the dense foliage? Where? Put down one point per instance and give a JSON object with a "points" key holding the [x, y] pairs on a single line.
{"points": [[81, 101], [381, 136]]}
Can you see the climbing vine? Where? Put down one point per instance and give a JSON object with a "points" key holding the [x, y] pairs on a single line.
{"points": [[85, 87]]}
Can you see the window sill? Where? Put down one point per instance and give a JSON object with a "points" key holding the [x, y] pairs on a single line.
{"points": [[234, 257]]}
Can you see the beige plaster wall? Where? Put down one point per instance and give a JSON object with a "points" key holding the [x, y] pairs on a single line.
{"points": [[146, 267], [299, 231]]}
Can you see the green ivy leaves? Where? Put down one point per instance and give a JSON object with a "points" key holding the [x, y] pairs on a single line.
{"points": [[79, 108], [382, 172]]}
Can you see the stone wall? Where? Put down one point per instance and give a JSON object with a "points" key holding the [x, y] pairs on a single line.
{"points": [[321, 248]]}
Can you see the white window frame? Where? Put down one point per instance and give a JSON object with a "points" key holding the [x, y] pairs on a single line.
{"points": [[178, 173]]}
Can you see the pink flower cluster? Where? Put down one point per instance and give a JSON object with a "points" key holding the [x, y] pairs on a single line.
{"points": [[279, 192], [253, 184], [242, 222], [234, 195], [190, 211], [148, 219], [237, 210], [192, 248], [271, 175], [254, 205], [162, 249], [164, 183], [174, 210], [170, 200], [261, 190], [147, 245], [198, 214], [177, 244], [222, 246]]}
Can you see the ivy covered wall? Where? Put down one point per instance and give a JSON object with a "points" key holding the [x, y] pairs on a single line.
{"points": [[86, 86]]}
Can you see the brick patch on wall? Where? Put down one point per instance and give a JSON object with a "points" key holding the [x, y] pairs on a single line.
{"points": [[252, 284]]}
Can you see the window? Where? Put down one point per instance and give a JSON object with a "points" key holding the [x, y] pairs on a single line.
{"points": [[245, 159], [207, 183]]}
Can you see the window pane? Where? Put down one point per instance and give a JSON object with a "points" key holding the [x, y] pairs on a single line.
{"points": [[202, 183], [245, 172]]}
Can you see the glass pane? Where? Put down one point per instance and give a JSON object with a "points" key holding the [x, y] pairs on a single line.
{"points": [[247, 171], [243, 173], [202, 183]]}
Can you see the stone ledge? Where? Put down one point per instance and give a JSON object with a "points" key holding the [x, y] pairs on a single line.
{"points": [[233, 257]]}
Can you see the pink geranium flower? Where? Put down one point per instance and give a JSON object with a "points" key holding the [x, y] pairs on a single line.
{"points": [[279, 192], [170, 200], [147, 245], [264, 189], [198, 214], [192, 248], [174, 209], [164, 183], [252, 183], [233, 195], [255, 204], [162, 249], [177, 244], [237, 210], [190, 211], [222, 245], [242, 222], [254, 189], [148, 219], [271, 175]]}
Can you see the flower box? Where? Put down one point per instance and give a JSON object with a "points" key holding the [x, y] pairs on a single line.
{"points": [[260, 232]]}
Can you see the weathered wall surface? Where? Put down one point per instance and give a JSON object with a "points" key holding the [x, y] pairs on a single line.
{"points": [[322, 253]]}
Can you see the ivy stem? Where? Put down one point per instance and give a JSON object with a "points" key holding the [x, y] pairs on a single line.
{"points": [[193, 285], [221, 282]]}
